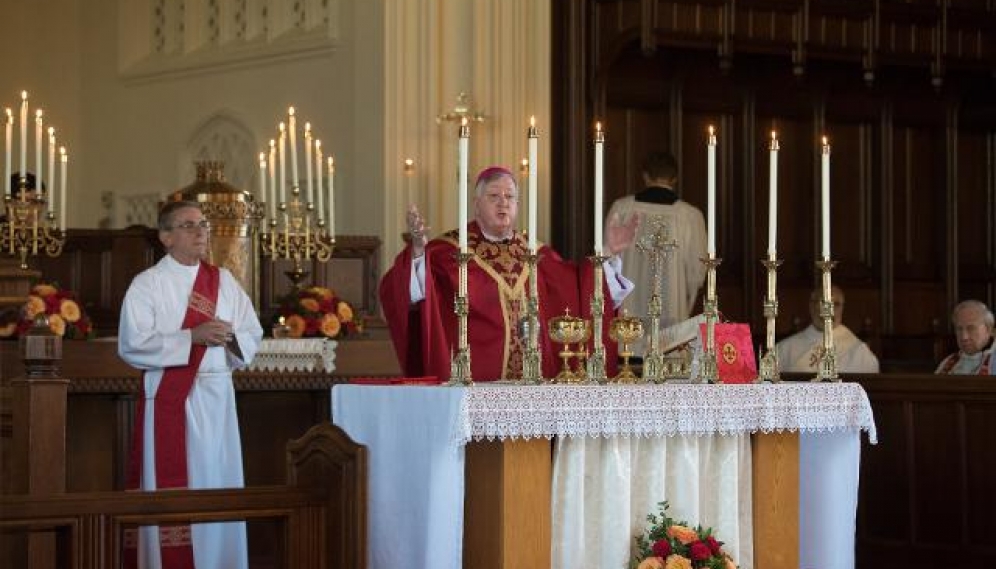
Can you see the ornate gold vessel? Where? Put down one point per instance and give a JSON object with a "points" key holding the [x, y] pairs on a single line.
{"points": [[625, 330], [567, 330], [234, 215]]}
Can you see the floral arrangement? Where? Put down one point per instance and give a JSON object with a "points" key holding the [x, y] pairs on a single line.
{"points": [[317, 311], [668, 544], [65, 314]]}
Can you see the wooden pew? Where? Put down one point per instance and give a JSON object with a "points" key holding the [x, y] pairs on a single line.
{"points": [[321, 510]]}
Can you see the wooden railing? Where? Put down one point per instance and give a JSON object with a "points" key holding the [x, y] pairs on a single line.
{"points": [[321, 511]]}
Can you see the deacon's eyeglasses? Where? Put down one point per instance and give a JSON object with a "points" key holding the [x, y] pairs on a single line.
{"points": [[191, 226]]}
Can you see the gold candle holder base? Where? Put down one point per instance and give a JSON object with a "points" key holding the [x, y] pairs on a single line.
{"points": [[532, 361], [708, 372], [460, 364], [827, 366], [596, 363], [769, 371]]}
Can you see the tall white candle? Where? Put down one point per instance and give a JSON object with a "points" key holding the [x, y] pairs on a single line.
{"points": [[282, 152], [262, 176], [62, 186], [409, 169], [711, 194], [292, 126], [39, 129], [272, 165], [773, 195], [332, 197], [51, 168], [533, 152], [8, 128], [599, 174], [24, 137], [463, 148], [825, 195], [318, 173], [307, 163]]}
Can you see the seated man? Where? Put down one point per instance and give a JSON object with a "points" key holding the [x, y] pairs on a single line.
{"points": [[417, 293], [973, 327], [800, 352]]}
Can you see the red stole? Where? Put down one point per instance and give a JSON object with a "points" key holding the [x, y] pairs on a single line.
{"points": [[170, 426]]}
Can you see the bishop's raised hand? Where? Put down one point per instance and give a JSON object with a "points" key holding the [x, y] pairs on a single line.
{"points": [[418, 231]]}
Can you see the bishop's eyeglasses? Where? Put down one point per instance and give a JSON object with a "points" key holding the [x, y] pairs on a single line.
{"points": [[191, 226]]}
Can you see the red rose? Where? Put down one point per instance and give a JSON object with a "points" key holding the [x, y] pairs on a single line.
{"points": [[662, 548], [716, 547], [699, 551]]}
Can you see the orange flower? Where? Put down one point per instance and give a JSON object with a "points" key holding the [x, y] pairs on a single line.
{"points": [[309, 304], [295, 326], [8, 330], [44, 290], [69, 310], [330, 325], [651, 563], [683, 534], [57, 324], [34, 307], [321, 292], [344, 312], [677, 562]]}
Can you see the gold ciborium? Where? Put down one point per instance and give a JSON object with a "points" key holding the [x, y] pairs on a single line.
{"points": [[568, 330], [625, 330]]}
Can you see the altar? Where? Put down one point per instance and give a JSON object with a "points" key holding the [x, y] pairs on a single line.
{"points": [[617, 451]]}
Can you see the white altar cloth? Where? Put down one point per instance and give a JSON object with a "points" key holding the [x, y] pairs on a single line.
{"points": [[415, 438]]}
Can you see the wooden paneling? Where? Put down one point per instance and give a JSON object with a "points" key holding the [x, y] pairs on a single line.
{"points": [[927, 488], [911, 120]]}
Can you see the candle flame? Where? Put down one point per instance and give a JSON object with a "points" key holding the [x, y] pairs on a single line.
{"points": [[272, 143], [712, 130], [825, 141], [24, 96], [62, 153], [331, 162], [532, 121], [262, 160], [774, 135], [463, 121], [283, 127], [51, 131], [10, 116], [290, 111], [409, 162], [318, 144], [598, 126], [307, 128]]}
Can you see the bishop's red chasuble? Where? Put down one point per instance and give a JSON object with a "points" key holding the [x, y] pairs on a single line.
{"points": [[425, 334]]}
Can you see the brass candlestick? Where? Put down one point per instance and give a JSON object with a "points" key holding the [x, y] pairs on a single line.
{"points": [[708, 373], [769, 361], [460, 364], [827, 367], [532, 363], [596, 363], [297, 239], [28, 230], [659, 246]]}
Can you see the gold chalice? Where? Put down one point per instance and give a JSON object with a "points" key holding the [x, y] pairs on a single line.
{"points": [[567, 330], [625, 330]]}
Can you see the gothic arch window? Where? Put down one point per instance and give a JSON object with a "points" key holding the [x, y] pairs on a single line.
{"points": [[224, 138]]}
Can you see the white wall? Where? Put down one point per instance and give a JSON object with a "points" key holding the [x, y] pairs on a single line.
{"points": [[128, 134]]}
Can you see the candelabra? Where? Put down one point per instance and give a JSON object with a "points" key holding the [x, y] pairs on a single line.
{"points": [[298, 238], [460, 364], [532, 366], [28, 229], [659, 246], [769, 360], [708, 372], [827, 366], [596, 363]]}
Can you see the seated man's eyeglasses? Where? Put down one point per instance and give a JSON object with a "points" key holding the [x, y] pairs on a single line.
{"points": [[193, 225], [497, 198]]}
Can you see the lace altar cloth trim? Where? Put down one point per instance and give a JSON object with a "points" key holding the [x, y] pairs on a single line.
{"points": [[295, 354], [508, 412]]}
